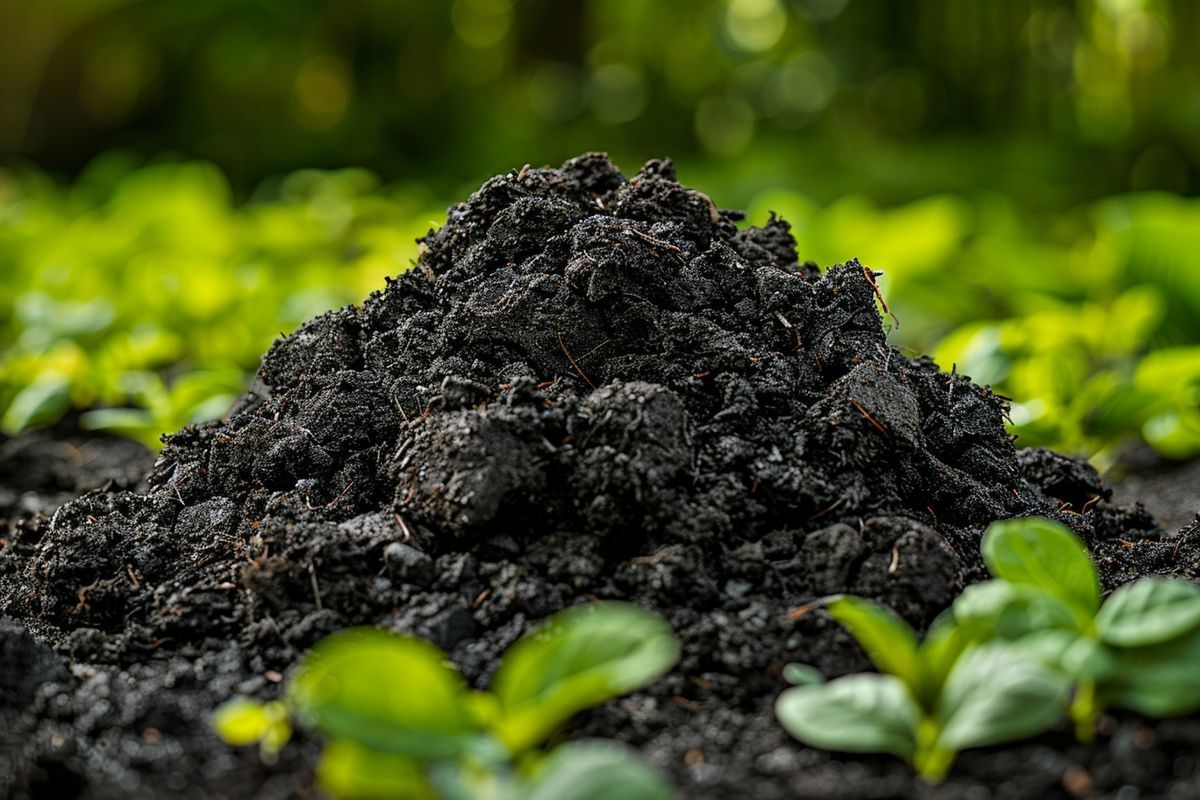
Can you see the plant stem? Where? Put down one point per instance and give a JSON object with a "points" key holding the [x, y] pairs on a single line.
{"points": [[931, 761], [1083, 710]]}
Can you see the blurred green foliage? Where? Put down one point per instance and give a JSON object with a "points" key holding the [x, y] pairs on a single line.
{"points": [[1017, 168], [147, 296], [1053, 101]]}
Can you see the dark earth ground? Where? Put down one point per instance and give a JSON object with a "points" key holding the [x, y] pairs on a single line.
{"points": [[589, 386], [1132, 758]]}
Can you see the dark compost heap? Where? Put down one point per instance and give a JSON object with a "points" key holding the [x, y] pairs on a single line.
{"points": [[588, 387]]}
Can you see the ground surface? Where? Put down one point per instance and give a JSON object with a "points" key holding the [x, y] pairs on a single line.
{"points": [[588, 387]]}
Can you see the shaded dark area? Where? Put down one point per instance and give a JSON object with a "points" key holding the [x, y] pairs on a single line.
{"points": [[589, 387], [1051, 101]]}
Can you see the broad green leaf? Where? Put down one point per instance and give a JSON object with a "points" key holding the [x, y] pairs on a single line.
{"points": [[596, 770], [1065, 651], [349, 770], [802, 674], [943, 644], [1046, 647], [580, 658], [1089, 659], [1000, 609], [864, 713], [996, 694], [888, 640], [42, 402], [122, 421], [1149, 611], [1039, 552], [387, 691], [1160, 681], [241, 721]]}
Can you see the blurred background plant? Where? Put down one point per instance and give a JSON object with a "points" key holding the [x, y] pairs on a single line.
{"points": [[184, 181]]}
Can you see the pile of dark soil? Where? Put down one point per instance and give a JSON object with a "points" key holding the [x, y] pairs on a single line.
{"points": [[588, 387]]}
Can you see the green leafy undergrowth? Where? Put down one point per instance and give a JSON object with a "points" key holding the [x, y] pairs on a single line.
{"points": [[1136, 650], [1008, 660], [1086, 317], [147, 296], [400, 722], [1094, 335]]}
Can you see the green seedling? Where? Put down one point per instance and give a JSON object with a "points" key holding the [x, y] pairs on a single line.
{"points": [[932, 700], [1137, 650], [400, 721]]}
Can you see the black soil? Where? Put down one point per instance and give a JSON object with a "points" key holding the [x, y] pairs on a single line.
{"points": [[588, 387]]}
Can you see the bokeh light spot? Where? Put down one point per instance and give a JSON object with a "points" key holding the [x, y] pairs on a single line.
{"points": [[556, 91], [617, 93], [481, 23], [801, 86], [755, 25], [322, 90], [725, 124]]}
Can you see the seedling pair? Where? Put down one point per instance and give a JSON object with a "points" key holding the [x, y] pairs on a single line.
{"points": [[932, 699], [400, 721], [1008, 658], [1137, 650]]}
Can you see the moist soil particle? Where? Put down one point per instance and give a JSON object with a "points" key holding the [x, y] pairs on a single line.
{"points": [[588, 387]]}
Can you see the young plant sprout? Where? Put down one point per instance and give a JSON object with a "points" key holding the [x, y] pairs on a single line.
{"points": [[1137, 650], [400, 721], [1009, 657], [931, 699]]}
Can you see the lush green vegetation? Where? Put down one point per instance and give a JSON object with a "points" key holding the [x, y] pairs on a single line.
{"points": [[144, 297], [1008, 659], [399, 720], [983, 155]]}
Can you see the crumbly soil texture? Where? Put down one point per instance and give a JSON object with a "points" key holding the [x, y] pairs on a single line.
{"points": [[588, 387]]}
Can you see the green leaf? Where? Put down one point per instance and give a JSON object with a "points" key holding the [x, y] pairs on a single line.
{"points": [[596, 770], [42, 402], [389, 692], [1000, 609], [1039, 552], [243, 721], [802, 674], [943, 644], [240, 721], [1149, 611], [349, 770], [582, 657], [863, 713], [1065, 651], [1160, 681], [1088, 659], [996, 694], [122, 421], [888, 640]]}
